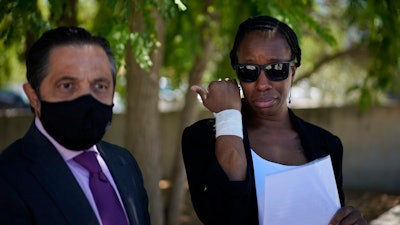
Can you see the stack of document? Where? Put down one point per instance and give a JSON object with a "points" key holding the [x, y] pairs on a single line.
{"points": [[304, 195]]}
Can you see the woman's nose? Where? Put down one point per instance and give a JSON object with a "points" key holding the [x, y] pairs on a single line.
{"points": [[262, 82]]}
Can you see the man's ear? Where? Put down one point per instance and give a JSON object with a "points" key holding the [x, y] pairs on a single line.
{"points": [[33, 98]]}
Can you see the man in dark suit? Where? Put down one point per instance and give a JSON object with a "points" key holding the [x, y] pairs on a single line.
{"points": [[71, 82]]}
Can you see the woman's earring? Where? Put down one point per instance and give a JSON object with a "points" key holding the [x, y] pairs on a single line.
{"points": [[290, 96]]}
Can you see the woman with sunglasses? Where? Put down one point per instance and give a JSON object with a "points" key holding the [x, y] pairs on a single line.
{"points": [[226, 157]]}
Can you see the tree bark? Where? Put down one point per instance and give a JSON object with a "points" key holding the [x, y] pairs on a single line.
{"points": [[68, 16], [178, 177], [142, 116], [189, 115], [357, 51]]}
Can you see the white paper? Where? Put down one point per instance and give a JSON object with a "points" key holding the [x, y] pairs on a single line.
{"points": [[304, 195]]}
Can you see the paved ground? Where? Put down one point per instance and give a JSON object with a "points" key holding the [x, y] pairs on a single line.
{"points": [[378, 208], [391, 217], [372, 204]]}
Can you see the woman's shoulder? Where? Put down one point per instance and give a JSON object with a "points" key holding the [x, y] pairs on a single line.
{"points": [[203, 123], [203, 126], [316, 128], [199, 135], [309, 126], [313, 130]]}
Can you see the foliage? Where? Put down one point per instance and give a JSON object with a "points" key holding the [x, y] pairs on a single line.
{"points": [[377, 22], [17, 21], [185, 32], [334, 36], [330, 26]]}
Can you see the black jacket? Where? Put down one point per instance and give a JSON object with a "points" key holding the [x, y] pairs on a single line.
{"points": [[217, 200]]}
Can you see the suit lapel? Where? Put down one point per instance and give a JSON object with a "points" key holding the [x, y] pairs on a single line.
{"points": [[53, 174], [124, 178]]}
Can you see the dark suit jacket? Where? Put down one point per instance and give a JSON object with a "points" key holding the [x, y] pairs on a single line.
{"points": [[37, 187], [217, 200]]}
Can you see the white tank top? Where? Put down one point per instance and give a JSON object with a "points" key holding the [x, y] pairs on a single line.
{"points": [[263, 168]]}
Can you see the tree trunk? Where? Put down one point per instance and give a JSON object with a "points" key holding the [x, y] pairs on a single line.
{"points": [[178, 177], [189, 115], [68, 15], [142, 116]]}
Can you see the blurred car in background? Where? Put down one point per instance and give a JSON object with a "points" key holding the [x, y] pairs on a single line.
{"points": [[12, 100]]}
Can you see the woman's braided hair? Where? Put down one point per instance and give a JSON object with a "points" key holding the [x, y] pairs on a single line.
{"points": [[260, 23]]}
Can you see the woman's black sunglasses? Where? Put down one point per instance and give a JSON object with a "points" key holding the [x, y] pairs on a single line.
{"points": [[277, 71]]}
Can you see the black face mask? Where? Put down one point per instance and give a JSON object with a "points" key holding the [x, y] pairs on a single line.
{"points": [[76, 124]]}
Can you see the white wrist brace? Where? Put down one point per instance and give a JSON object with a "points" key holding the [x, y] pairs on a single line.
{"points": [[228, 122]]}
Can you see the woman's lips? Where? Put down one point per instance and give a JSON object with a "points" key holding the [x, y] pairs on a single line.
{"points": [[265, 102]]}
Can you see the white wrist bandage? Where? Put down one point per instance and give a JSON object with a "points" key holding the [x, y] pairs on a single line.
{"points": [[228, 122]]}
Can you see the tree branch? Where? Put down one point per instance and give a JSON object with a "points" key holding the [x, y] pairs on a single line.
{"points": [[352, 52]]}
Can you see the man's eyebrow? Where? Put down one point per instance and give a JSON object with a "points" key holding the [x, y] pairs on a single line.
{"points": [[102, 79], [66, 77]]}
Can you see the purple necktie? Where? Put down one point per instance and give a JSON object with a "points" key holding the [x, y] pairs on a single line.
{"points": [[107, 202]]}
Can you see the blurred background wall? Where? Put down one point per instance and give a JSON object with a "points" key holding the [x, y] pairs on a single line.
{"points": [[371, 140]]}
